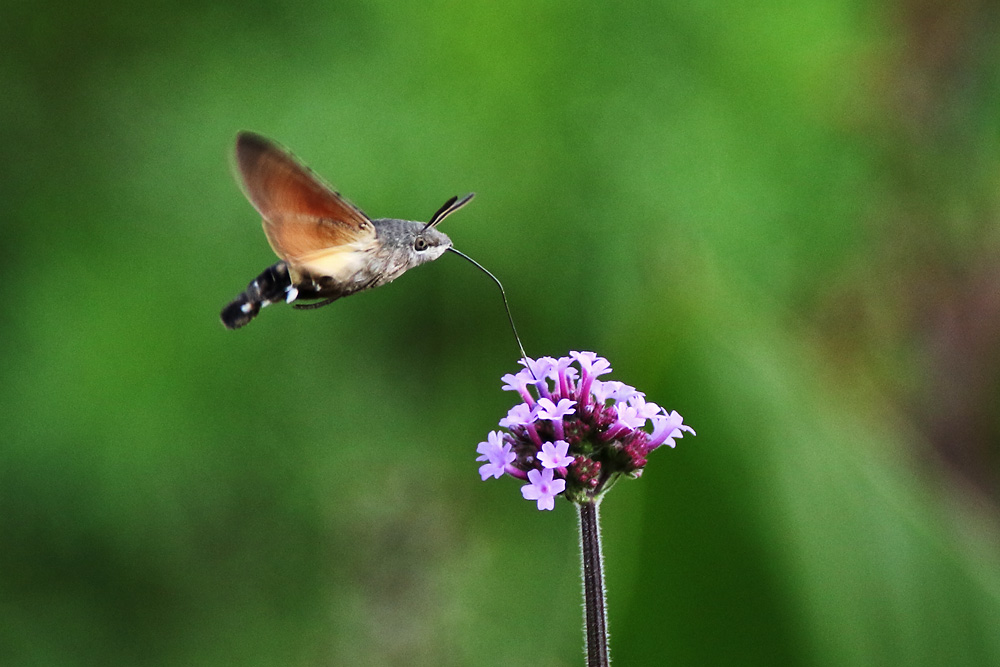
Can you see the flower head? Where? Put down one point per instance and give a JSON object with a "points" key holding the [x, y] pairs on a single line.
{"points": [[574, 434]]}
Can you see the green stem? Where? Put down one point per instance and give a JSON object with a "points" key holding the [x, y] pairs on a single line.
{"points": [[596, 619]]}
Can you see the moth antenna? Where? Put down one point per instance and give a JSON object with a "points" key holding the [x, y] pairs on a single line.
{"points": [[449, 207], [510, 317]]}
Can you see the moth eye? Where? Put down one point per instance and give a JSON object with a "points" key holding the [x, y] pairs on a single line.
{"points": [[420, 243]]}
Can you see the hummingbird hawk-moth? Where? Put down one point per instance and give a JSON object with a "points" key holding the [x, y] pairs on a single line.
{"points": [[328, 248]]}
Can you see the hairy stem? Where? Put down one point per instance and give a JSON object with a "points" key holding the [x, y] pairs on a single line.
{"points": [[596, 620]]}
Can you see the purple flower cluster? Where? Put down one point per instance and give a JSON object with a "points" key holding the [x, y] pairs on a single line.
{"points": [[574, 434]]}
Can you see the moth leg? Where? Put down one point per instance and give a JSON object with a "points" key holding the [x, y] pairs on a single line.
{"points": [[318, 304]]}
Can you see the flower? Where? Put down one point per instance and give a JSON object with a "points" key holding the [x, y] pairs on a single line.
{"points": [[519, 382], [574, 434], [497, 454], [554, 411], [666, 427], [543, 488], [553, 455], [519, 415]]}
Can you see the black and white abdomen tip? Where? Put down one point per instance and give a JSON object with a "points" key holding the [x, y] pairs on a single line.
{"points": [[274, 284], [239, 312]]}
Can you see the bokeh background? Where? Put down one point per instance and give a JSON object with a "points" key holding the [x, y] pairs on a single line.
{"points": [[780, 219]]}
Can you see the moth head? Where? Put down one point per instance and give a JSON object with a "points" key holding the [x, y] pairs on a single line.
{"points": [[429, 244]]}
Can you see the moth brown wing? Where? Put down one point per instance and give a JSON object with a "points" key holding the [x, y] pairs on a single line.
{"points": [[302, 215]]}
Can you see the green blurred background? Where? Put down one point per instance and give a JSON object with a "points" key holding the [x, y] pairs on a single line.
{"points": [[779, 219]]}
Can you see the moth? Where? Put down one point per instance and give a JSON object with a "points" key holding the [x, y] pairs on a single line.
{"points": [[327, 247]]}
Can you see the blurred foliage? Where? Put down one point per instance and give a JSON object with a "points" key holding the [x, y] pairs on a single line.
{"points": [[779, 219]]}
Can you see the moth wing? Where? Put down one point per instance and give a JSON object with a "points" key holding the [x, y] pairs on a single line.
{"points": [[304, 218]]}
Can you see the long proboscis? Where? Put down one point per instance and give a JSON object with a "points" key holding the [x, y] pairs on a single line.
{"points": [[503, 295]]}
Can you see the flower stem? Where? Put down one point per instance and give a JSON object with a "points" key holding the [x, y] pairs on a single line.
{"points": [[596, 619]]}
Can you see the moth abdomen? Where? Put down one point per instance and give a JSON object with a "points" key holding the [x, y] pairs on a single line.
{"points": [[273, 285]]}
